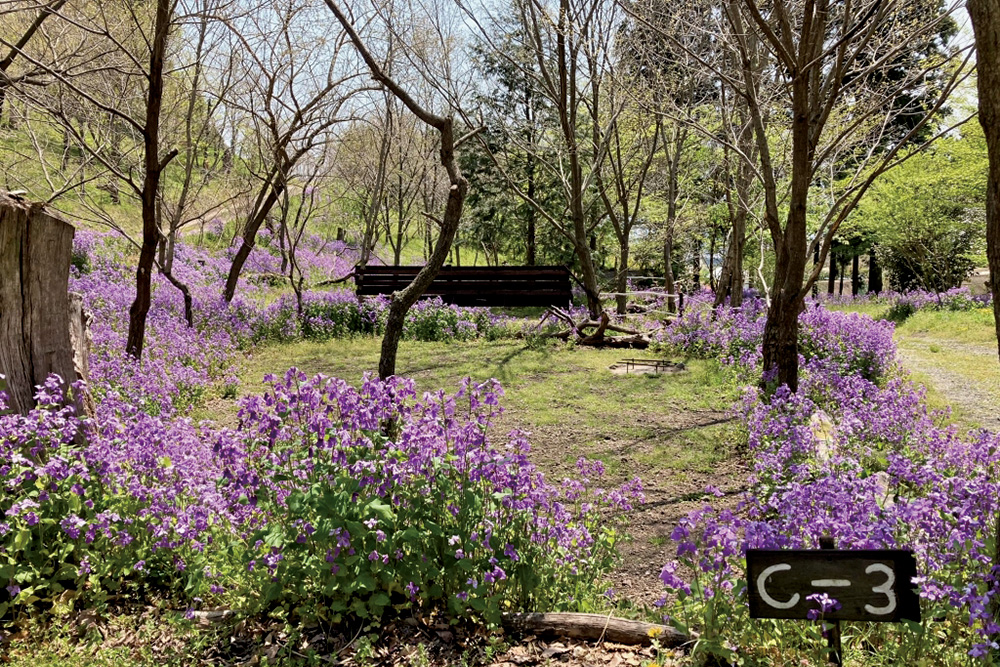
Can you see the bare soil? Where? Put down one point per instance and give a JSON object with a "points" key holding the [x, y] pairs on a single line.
{"points": [[671, 493]]}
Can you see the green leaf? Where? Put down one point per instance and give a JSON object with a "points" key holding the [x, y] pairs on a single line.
{"points": [[381, 509], [272, 591], [411, 534], [21, 539], [366, 582], [380, 600]]}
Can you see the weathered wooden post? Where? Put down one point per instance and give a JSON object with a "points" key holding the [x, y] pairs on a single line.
{"points": [[37, 313]]}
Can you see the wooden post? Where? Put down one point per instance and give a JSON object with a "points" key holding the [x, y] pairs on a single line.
{"points": [[833, 636], [36, 314]]}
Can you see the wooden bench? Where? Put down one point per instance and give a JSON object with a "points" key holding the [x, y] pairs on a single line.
{"points": [[475, 285]]}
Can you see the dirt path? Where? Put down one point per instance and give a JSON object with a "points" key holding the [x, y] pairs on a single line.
{"points": [[966, 375]]}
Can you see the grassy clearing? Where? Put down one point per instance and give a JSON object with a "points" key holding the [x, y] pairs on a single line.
{"points": [[566, 396]]}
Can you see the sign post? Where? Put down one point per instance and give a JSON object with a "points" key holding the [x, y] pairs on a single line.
{"points": [[833, 636], [870, 585]]}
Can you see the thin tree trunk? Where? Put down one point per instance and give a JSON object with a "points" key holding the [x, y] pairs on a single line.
{"points": [[403, 300], [711, 258], [855, 275], [530, 252], [250, 235], [668, 269], [831, 282], [696, 266], [621, 284], [150, 185]]}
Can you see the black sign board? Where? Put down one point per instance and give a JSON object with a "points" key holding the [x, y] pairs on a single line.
{"points": [[870, 585]]}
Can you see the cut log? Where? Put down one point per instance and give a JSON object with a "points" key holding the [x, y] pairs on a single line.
{"points": [[596, 627], [36, 316]]}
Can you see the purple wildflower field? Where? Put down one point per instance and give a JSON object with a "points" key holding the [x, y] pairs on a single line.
{"points": [[325, 500], [329, 500], [855, 454]]}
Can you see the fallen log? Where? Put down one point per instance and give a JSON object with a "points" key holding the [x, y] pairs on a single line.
{"points": [[598, 336], [596, 627], [636, 339], [628, 342]]}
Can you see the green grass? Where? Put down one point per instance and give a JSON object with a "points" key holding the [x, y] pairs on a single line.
{"points": [[974, 327], [567, 396], [953, 354]]}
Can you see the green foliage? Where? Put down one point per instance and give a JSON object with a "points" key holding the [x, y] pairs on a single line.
{"points": [[925, 217]]}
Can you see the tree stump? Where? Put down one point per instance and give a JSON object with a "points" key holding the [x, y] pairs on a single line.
{"points": [[37, 314]]}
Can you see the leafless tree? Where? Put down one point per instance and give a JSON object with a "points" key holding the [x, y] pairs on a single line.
{"points": [[569, 43], [620, 178], [402, 300], [31, 74], [295, 87], [821, 78]]}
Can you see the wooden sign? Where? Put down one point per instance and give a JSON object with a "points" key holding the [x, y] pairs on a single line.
{"points": [[870, 585]]}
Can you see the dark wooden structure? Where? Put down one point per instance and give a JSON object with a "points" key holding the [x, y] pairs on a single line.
{"points": [[475, 285]]}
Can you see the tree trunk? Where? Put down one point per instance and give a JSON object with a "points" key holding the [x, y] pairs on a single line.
{"points": [[731, 280], [711, 258], [150, 184], [781, 335], [781, 332], [402, 300], [696, 266], [668, 268], [250, 237], [815, 287], [621, 284], [831, 283], [855, 275], [874, 274], [985, 16], [36, 311]]}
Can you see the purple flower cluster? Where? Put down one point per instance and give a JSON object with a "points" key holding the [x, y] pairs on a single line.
{"points": [[855, 343], [856, 455], [346, 498], [955, 299], [316, 472]]}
